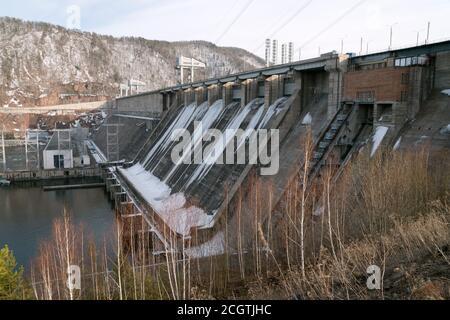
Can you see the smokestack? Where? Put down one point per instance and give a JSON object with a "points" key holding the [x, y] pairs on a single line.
{"points": [[283, 53], [275, 52], [268, 51], [291, 52]]}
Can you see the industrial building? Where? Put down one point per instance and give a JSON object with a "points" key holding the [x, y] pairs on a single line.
{"points": [[67, 150]]}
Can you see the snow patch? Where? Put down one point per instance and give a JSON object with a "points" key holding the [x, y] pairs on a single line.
{"points": [[397, 144], [14, 101], [307, 120], [378, 137], [170, 207], [446, 130], [214, 247], [182, 120], [446, 92]]}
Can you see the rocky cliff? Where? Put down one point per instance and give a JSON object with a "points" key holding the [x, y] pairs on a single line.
{"points": [[44, 64]]}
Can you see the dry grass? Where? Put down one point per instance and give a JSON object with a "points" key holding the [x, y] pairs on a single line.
{"points": [[392, 211]]}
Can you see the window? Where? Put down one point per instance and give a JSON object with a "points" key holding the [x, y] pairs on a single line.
{"points": [[58, 161], [411, 61]]}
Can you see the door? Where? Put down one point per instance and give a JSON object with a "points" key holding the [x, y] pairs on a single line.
{"points": [[58, 161]]}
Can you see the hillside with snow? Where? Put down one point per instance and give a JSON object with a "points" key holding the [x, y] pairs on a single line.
{"points": [[44, 64]]}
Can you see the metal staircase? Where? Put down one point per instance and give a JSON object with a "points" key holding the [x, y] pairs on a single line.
{"points": [[328, 140]]}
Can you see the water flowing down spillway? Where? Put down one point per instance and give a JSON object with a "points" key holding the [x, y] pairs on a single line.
{"points": [[172, 188]]}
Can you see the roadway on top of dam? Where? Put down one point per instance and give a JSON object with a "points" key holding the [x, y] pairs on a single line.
{"points": [[309, 64]]}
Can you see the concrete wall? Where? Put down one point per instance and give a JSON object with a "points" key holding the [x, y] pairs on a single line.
{"points": [[442, 76], [145, 104], [214, 93]]}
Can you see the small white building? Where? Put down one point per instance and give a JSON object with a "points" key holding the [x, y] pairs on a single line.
{"points": [[67, 150]]}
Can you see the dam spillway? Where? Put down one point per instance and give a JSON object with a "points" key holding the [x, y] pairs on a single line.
{"points": [[186, 194]]}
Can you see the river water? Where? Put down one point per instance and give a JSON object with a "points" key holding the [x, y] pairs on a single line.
{"points": [[27, 214]]}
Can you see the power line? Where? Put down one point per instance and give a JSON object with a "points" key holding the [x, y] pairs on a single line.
{"points": [[229, 11], [332, 24], [289, 20], [247, 5]]}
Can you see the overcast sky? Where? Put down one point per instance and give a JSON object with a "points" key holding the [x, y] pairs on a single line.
{"points": [[310, 24]]}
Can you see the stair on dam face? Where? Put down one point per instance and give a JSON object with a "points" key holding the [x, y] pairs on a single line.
{"points": [[328, 140]]}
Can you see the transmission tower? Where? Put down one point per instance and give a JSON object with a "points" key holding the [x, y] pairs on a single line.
{"points": [[112, 142], [32, 153]]}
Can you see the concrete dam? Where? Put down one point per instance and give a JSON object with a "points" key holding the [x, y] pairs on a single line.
{"points": [[342, 103]]}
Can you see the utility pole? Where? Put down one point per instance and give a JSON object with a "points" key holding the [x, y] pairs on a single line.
{"points": [[361, 47], [342, 46], [390, 41], [428, 33], [3, 149], [391, 35]]}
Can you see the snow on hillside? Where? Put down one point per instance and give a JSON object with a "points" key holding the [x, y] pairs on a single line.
{"points": [[35, 57]]}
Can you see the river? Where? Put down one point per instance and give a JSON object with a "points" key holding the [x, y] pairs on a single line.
{"points": [[27, 214]]}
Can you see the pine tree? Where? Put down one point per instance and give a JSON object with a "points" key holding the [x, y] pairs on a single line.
{"points": [[11, 277]]}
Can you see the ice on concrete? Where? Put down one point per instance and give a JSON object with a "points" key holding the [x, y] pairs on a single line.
{"points": [[213, 113], [378, 137], [171, 208], [446, 92], [446, 130], [218, 148], [178, 123], [307, 120], [214, 247], [251, 127], [273, 109], [182, 121], [397, 144]]}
